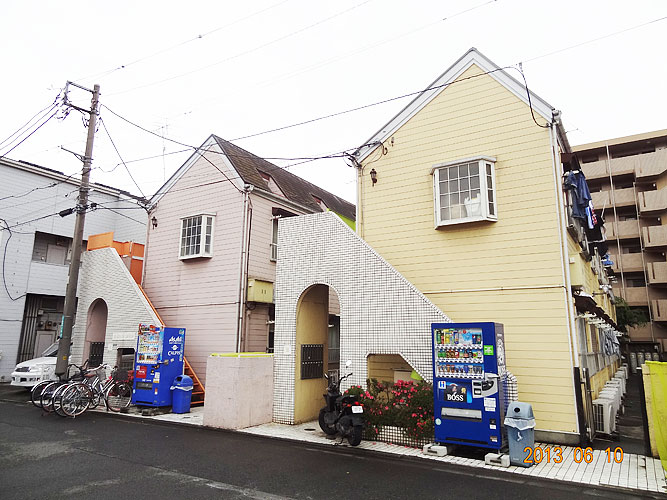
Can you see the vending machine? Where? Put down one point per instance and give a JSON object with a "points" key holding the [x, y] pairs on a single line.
{"points": [[159, 360], [468, 370]]}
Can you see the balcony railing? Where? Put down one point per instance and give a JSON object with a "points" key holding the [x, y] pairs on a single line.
{"points": [[657, 273], [634, 296], [624, 229], [651, 164], [655, 237], [627, 262], [643, 166], [623, 197], [640, 333], [652, 201], [659, 310]]}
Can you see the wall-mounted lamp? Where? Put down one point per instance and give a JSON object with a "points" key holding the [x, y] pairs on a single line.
{"points": [[154, 222], [374, 176]]}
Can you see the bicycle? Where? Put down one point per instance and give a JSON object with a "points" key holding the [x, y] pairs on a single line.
{"points": [[42, 394], [76, 398]]}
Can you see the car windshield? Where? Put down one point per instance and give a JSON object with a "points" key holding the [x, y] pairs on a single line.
{"points": [[52, 350]]}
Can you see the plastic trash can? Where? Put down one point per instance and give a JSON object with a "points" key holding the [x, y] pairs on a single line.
{"points": [[520, 425], [182, 394]]}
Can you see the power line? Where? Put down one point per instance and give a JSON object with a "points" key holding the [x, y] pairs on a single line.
{"points": [[123, 215], [104, 125], [4, 155], [190, 40], [609, 35], [43, 112], [4, 264], [244, 53]]}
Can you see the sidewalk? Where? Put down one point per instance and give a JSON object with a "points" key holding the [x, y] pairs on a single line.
{"points": [[635, 472]]}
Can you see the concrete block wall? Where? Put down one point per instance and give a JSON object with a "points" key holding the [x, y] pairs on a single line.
{"points": [[239, 391], [104, 276], [380, 311]]}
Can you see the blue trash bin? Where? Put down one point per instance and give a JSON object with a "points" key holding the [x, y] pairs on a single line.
{"points": [[182, 394], [520, 425]]}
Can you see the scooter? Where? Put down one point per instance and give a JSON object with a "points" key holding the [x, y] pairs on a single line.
{"points": [[343, 413]]}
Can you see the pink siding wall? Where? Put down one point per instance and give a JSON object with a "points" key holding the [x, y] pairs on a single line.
{"points": [[200, 295]]}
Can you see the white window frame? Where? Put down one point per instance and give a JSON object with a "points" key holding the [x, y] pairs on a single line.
{"points": [[207, 220], [486, 213], [274, 238]]}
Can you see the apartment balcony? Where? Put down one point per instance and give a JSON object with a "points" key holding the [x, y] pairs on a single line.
{"points": [[623, 198], [634, 296], [655, 237], [656, 272], [628, 263], [619, 166], [622, 230], [650, 164], [640, 333], [652, 202], [659, 310]]}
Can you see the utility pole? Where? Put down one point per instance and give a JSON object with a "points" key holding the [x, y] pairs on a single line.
{"points": [[75, 262]]}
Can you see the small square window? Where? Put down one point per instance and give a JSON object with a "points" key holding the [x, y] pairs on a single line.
{"points": [[196, 236], [464, 191]]}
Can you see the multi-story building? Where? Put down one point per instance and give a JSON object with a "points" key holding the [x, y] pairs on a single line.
{"points": [[36, 249], [627, 177]]}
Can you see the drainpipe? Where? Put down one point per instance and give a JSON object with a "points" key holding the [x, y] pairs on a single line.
{"points": [[243, 259], [565, 259]]}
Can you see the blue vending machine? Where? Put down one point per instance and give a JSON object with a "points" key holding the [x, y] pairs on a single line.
{"points": [[159, 360], [468, 369]]}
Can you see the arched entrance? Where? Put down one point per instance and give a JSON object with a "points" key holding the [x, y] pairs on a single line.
{"points": [[96, 330], [317, 349]]}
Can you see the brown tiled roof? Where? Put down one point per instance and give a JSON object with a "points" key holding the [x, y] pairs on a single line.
{"points": [[294, 187]]}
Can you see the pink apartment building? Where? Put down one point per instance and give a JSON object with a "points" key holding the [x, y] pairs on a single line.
{"points": [[211, 248]]}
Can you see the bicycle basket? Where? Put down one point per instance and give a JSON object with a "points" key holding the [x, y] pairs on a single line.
{"points": [[120, 375]]}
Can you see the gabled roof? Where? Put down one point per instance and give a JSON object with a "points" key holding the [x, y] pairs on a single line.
{"points": [[248, 167], [295, 188], [472, 57]]}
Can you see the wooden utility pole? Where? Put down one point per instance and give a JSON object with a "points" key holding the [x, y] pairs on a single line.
{"points": [[75, 262]]}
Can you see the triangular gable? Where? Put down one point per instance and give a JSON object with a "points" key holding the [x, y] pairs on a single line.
{"points": [[209, 145], [472, 57]]}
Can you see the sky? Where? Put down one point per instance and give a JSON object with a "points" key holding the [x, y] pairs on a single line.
{"points": [[185, 70]]}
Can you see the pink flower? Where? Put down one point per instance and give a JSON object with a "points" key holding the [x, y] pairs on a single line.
{"points": [[414, 414]]}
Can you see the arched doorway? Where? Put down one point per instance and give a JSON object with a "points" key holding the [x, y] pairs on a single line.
{"points": [[317, 349], [96, 330]]}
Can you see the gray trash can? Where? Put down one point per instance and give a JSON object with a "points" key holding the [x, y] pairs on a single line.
{"points": [[520, 425]]}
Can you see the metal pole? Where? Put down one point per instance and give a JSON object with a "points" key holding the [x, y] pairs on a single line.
{"points": [[81, 205]]}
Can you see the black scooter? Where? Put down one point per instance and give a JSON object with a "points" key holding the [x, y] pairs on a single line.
{"points": [[342, 414]]}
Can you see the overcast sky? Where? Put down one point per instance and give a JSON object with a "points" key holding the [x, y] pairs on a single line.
{"points": [[186, 70]]}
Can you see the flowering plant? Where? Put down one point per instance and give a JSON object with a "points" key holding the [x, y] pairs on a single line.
{"points": [[407, 405]]}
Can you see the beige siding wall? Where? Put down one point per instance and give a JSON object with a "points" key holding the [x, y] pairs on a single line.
{"points": [[200, 295], [257, 330], [469, 118]]}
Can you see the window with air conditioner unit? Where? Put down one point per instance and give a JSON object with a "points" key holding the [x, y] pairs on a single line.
{"points": [[196, 236], [465, 191]]}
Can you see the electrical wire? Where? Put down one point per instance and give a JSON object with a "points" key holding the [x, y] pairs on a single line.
{"points": [[4, 155], [530, 102], [104, 126], [244, 53], [180, 44], [4, 263], [42, 112], [123, 215]]}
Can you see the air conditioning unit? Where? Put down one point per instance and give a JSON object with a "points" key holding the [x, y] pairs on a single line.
{"points": [[625, 368], [620, 373], [604, 416], [612, 395], [621, 377], [614, 382]]}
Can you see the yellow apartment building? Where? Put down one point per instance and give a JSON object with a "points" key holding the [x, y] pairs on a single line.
{"points": [[462, 192]]}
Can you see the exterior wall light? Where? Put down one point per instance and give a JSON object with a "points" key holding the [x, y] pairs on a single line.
{"points": [[154, 222], [374, 176]]}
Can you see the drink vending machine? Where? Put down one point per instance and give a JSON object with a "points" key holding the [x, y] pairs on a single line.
{"points": [[468, 370], [158, 361]]}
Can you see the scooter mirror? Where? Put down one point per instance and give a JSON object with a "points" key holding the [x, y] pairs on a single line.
{"points": [[348, 363]]}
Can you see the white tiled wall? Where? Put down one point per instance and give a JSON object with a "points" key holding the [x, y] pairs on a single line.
{"points": [[104, 276], [380, 311]]}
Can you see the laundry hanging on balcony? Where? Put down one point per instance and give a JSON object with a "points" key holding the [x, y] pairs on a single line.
{"points": [[582, 203]]}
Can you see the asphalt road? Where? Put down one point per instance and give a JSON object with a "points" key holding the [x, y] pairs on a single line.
{"points": [[104, 456]]}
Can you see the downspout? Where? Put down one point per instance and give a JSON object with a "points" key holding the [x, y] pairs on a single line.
{"points": [[243, 278], [565, 259]]}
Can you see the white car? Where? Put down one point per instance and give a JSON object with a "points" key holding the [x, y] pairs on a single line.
{"points": [[31, 372]]}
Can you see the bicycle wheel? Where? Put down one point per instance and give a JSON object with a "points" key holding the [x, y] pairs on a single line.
{"points": [[46, 398], [118, 396], [57, 400], [75, 399], [36, 393]]}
